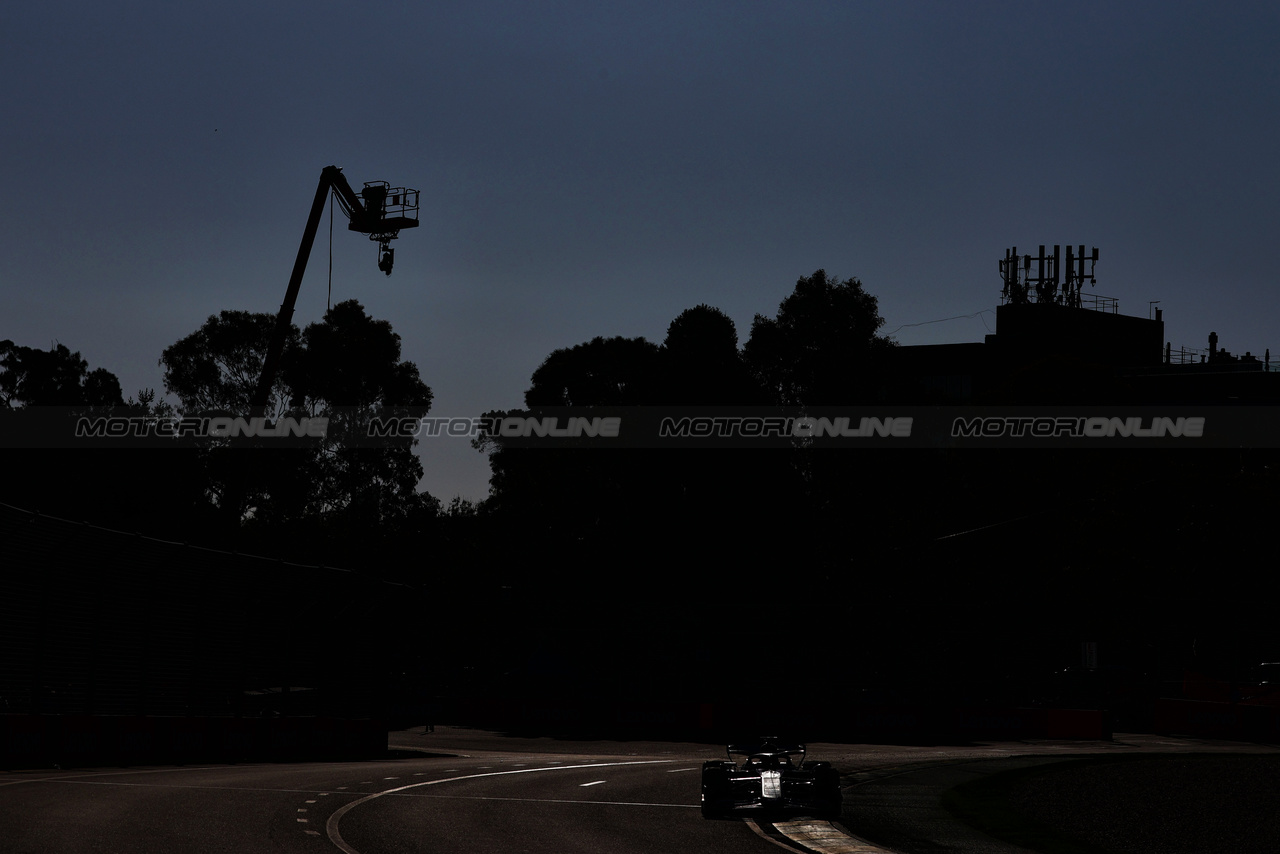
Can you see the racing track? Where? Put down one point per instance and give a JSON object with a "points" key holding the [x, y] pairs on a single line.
{"points": [[495, 795], [491, 804]]}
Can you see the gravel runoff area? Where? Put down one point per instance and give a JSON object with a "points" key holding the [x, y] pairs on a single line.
{"points": [[1196, 804]]}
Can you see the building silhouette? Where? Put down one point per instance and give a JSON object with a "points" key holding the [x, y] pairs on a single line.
{"points": [[1055, 345]]}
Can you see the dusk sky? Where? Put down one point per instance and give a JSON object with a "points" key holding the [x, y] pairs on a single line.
{"points": [[593, 169]]}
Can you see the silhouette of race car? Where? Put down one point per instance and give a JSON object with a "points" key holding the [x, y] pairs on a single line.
{"points": [[769, 780]]}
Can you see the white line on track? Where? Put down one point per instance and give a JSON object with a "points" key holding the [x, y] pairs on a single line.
{"points": [[331, 826], [596, 783], [107, 774], [559, 801], [123, 784]]}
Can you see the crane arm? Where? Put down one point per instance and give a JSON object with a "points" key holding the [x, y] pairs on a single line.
{"points": [[347, 198], [367, 216], [284, 318]]}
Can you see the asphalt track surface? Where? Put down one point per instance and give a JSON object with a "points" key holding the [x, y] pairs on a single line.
{"points": [[460, 790]]}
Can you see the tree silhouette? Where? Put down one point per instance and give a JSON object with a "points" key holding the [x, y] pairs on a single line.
{"points": [[702, 363], [353, 360], [822, 346], [127, 488], [54, 377], [216, 368], [603, 372], [531, 488], [645, 507], [346, 368]]}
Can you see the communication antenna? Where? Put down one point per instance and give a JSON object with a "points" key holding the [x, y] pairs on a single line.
{"points": [[1055, 281]]}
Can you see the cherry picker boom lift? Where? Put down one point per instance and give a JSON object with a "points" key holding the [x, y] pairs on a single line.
{"points": [[380, 211]]}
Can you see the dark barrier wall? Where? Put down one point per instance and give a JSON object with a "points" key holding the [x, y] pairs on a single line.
{"points": [[1232, 721], [80, 740], [724, 722], [114, 644]]}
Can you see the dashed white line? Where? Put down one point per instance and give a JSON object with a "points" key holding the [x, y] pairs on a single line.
{"points": [[596, 783]]}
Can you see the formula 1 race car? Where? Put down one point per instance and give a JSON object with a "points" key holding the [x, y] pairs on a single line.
{"points": [[769, 781]]}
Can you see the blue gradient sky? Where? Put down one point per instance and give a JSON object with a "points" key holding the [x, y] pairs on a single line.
{"points": [[595, 169]]}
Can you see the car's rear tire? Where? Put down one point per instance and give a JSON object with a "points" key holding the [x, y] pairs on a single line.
{"points": [[715, 784], [827, 781]]}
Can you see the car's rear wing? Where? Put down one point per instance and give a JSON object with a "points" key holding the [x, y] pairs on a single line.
{"points": [[767, 747]]}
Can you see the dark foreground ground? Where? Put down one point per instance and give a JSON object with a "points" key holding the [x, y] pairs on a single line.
{"points": [[1121, 803], [1160, 805]]}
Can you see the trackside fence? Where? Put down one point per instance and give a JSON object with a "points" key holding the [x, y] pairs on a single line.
{"points": [[81, 740], [122, 648]]}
